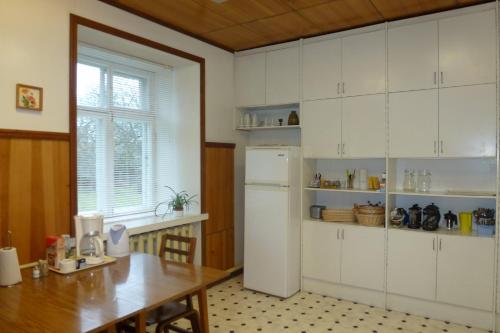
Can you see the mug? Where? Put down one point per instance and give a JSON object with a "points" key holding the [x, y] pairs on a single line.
{"points": [[465, 222], [67, 265]]}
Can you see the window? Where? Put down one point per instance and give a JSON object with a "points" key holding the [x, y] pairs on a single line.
{"points": [[116, 131]]}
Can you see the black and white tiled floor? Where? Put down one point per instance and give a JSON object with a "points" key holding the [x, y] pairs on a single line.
{"points": [[234, 309]]}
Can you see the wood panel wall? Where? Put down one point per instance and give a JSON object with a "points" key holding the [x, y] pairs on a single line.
{"points": [[34, 192]]}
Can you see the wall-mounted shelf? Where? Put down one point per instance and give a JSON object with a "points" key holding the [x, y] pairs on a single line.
{"points": [[268, 128], [448, 194], [342, 190]]}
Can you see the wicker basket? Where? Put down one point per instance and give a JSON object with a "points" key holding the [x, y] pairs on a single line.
{"points": [[338, 215], [371, 220], [369, 210]]}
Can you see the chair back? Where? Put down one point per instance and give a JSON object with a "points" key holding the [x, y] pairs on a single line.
{"points": [[180, 245]]}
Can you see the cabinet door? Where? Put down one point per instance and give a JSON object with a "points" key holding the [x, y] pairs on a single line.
{"points": [[363, 257], [465, 271], [467, 121], [413, 57], [283, 76], [411, 264], [250, 79], [413, 123], [363, 126], [321, 69], [321, 128], [363, 64], [467, 49], [321, 248]]}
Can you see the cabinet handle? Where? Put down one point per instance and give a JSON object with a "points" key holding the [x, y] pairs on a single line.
{"points": [[338, 149], [433, 244], [338, 233], [343, 87], [442, 78], [343, 148], [440, 246], [442, 150], [342, 233], [338, 88], [435, 147], [435, 78]]}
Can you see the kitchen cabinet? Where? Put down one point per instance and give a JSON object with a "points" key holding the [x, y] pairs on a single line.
{"points": [[413, 123], [467, 121], [282, 76], [465, 273], [413, 57], [321, 69], [321, 251], [250, 79], [321, 128], [363, 64], [363, 257], [467, 49], [363, 126], [411, 263]]}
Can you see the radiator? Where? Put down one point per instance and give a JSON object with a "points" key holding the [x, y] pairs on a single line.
{"points": [[150, 242]]}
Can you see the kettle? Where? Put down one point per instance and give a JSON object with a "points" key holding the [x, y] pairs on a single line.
{"points": [[431, 217], [451, 219], [415, 213]]}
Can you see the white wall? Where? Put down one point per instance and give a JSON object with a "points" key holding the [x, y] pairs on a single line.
{"points": [[34, 44]]}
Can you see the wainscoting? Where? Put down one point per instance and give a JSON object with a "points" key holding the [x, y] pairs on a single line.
{"points": [[34, 190]]}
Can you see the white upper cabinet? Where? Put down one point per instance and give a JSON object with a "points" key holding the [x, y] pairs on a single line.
{"points": [[363, 126], [283, 76], [413, 124], [411, 264], [363, 64], [465, 272], [467, 121], [467, 49], [321, 69], [250, 79], [321, 248], [413, 57], [363, 257], [321, 128]]}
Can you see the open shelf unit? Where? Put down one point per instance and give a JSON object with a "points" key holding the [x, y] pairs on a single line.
{"points": [[260, 128]]}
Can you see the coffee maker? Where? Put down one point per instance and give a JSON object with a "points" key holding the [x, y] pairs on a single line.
{"points": [[89, 238], [450, 219], [431, 217]]}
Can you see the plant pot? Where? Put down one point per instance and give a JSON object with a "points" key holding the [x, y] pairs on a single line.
{"points": [[178, 213]]}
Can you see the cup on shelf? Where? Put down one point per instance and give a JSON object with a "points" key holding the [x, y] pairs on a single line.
{"points": [[465, 222]]}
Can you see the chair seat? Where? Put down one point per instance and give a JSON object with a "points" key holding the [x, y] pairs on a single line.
{"points": [[165, 312]]}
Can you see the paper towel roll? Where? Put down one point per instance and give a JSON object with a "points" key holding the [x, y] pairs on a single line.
{"points": [[10, 273]]}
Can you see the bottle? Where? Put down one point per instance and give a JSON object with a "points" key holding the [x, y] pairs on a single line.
{"points": [[293, 118], [424, 181], [36, 272], [382, 182], [409, 181]]}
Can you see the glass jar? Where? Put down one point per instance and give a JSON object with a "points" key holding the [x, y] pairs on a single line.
{"points": [[409, 181], [424, 181]]}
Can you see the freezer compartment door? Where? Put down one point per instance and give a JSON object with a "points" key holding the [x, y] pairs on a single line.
{"points": [[266, 228], [267, 166]]}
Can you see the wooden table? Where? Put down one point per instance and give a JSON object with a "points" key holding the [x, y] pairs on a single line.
{"points": [[96, 299]]}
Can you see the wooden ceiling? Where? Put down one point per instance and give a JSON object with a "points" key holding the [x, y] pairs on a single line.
{"points": [[243, 24]]}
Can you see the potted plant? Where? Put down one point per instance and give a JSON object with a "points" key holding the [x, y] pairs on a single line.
{"points": [[177, 203]]}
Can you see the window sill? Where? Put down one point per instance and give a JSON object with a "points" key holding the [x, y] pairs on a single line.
{"points": [[154, 223]]}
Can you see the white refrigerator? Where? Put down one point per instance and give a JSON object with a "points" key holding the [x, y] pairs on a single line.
{"points": [[272, 220]]}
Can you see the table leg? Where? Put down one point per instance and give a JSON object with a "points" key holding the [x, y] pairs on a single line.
{"points": [[203, 309], [111, 329], [140, 322]]}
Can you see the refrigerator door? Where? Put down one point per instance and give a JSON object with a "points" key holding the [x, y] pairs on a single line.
{"points": [[266, 225], [267, 166]]}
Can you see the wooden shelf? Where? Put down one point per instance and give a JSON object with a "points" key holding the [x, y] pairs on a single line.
{"points": [[448, 194], [268, 128], [342, 190]]}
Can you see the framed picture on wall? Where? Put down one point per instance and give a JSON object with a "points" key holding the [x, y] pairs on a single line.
{"points": [[29, 97]]}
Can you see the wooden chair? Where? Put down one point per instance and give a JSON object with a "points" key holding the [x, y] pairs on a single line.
{"points": [[170, 312]]}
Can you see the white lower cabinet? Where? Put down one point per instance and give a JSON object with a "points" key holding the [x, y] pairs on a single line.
{"points": [[363, 257], [321, 251], [336, 253], [411, 264], [465, 271], [450, 269]]}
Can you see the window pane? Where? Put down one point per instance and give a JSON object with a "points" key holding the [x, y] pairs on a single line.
{"points": [[87, 156], [128, 91], [131, 155], [90, 85]]}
